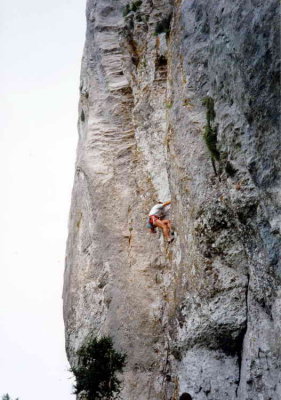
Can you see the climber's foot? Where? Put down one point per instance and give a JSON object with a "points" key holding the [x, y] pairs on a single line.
{"points": [[171, 239]]}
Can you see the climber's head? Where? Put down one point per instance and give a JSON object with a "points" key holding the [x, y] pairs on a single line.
{"points": [[185, 396]]}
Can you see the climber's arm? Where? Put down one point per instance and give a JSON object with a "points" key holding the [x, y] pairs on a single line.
{"points": [[166, 204]]}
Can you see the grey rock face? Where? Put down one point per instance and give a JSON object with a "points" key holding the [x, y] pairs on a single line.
{"points": [[201, 315]]}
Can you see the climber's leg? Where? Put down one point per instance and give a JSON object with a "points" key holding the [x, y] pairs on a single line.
{"points": [[172, 233], [164, 225], [169, 223]]}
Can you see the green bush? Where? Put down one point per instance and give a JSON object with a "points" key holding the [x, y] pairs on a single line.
{"points": [[95, 373]]}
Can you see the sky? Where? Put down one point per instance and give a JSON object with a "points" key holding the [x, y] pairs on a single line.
{"points": [[41, 45]]}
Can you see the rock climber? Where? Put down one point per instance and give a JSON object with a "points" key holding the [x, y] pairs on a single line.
{"points": [[156, 220]]}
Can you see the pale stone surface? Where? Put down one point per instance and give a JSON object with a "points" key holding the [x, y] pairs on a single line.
{"points": [[201, 315]]}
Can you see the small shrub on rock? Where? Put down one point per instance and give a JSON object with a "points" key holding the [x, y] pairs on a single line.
{"points": [[210, 137]]}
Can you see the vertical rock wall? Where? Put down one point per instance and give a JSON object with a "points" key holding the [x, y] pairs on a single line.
{"points": [[201, 315]]}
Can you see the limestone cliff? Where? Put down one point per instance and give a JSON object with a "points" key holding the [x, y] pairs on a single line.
{"points": [[201, 315]]}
